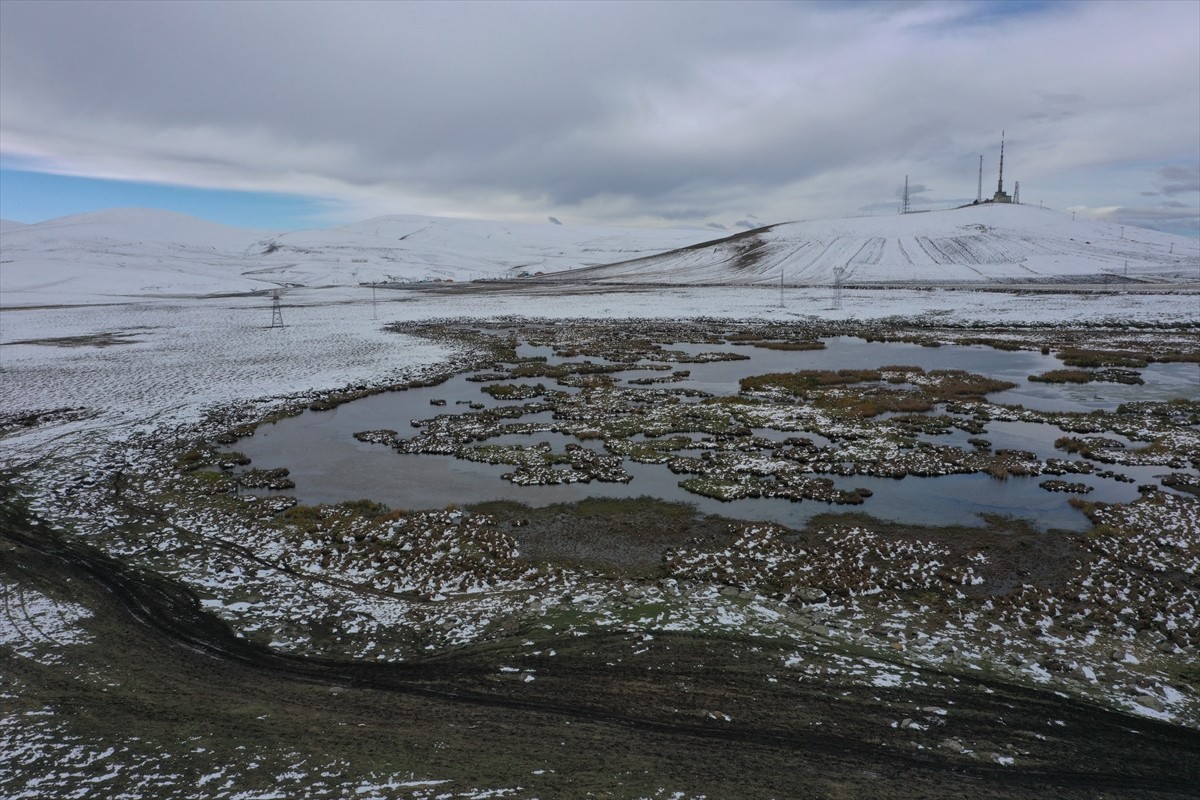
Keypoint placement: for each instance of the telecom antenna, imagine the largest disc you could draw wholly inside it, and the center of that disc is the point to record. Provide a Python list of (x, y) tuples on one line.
[(276, 310), (904, 209), (979, 189), (1000, 183)]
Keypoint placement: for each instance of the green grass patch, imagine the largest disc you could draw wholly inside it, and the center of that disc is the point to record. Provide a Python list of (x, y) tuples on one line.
[(1079, 357)]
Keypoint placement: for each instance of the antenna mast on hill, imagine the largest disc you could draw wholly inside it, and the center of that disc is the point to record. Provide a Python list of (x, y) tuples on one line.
[(276, 310), (904, 209), (1000, 183), (979, 189)]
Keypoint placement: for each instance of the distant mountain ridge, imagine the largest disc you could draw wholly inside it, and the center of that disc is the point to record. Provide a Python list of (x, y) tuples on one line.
[(140, 252)]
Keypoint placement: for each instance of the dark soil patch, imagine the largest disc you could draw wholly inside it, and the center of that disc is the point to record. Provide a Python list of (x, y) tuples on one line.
[(107, 339)]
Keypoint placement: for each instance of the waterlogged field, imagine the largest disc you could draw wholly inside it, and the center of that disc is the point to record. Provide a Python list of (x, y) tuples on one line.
[(712, 462), (640, 560), (671, 420)]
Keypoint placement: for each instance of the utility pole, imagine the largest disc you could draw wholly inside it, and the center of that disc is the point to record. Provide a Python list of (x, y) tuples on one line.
[(979, 188)]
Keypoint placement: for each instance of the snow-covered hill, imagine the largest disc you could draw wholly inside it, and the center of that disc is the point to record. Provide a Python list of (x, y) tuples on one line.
[(137, 252), (406, 248), (131, 253), (984, 243)]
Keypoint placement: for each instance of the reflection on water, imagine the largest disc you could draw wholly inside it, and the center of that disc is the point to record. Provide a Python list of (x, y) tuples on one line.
[(329, 465)]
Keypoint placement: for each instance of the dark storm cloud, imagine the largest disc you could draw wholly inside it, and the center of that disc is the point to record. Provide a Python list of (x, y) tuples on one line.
[(1180, 180)]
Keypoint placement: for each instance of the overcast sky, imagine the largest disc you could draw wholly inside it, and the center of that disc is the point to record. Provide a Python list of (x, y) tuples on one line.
[(706, 113)]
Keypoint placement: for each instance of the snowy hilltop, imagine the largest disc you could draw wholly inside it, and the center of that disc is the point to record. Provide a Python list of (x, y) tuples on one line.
[(973, 244), (137, 253)]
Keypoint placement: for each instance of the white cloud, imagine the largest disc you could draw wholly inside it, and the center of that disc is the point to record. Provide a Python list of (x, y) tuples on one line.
[(631, 113)]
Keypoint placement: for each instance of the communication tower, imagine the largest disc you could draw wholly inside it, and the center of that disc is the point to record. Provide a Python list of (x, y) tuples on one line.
[(1001, 196)]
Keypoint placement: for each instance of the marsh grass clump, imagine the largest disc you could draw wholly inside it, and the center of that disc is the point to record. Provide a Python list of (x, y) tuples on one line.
[(196, 458), (787, 345), (1079, 357), (276, 479), (308, 518), (1063, 376), (955, 384), (511, 391), (858, 393), (803, 382), (1176, 357), (210, 482), (1008, 345), (1109, 375)]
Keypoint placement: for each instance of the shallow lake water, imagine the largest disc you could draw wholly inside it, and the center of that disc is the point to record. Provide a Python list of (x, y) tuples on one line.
[(329, 465)]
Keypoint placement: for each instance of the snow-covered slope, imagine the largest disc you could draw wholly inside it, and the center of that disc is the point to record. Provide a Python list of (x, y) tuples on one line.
[(137, 252), (131, 253), (984, 243), (91, 256), (407, 248)]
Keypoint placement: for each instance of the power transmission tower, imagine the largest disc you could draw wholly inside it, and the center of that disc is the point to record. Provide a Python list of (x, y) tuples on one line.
[(1017, 192), (276, 311), (904, 209)]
